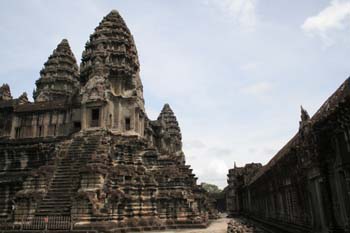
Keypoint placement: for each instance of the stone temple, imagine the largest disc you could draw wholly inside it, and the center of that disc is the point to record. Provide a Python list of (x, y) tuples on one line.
[(306, 186), (84, 154)]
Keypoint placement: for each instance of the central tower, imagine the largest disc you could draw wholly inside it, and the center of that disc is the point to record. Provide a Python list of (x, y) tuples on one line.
[(112, 93)]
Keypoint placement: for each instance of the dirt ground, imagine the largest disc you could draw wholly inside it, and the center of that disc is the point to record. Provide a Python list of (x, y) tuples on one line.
[(217, 226)]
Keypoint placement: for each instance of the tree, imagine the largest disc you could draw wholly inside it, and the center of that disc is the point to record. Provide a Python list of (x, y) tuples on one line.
[(211, 188)]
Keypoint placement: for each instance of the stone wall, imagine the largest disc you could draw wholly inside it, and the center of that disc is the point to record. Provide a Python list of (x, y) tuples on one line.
[(26, 168), (306, 186), (48, 123), (85, 155)]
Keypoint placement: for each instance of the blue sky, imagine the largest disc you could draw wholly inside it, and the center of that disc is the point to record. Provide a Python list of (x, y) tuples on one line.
[(235, 72)]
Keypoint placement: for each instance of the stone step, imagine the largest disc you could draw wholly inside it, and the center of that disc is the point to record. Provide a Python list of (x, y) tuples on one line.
[(53, 205), (55, 202), (67, 213), (58, 182), (52, 212), (64, 165), (63, 178), (66, 175), (58, 207), (45, 206), (58, 194), (71, 171), (57, 199), (66, 179), (77, 151), (61, 188), (64, 182)]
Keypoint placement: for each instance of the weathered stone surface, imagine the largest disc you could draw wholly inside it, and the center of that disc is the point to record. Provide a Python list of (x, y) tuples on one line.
[(5, 92), (238, 177), (242, 226), (59, 77), (306, 186), (171, 137), (85, 155)]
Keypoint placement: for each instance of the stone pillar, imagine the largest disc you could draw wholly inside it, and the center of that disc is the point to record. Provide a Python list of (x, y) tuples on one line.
[(15, 124), (46, 122), (347, 197), (103, 115), (137, 124), (142, 126), (84, 117), (35, 125), (133, 120), (114, 123), (119, 117)]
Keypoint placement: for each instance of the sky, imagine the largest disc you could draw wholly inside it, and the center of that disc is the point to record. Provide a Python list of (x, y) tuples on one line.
[(235, 72)]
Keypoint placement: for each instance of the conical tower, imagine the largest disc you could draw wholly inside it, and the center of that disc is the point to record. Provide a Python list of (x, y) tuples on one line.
[(172, 126), (5, 92), (111, 52), (172, 140), (112, 93), (304, 116), (59, 77)]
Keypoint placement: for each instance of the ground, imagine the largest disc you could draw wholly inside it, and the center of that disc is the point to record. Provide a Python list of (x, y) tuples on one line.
[(217, 226)]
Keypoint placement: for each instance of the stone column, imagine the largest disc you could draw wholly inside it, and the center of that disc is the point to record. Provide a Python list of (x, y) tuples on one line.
[(137, 124), (35, 125), (133, 120), (83, 117), (15, 124), (103, 115)]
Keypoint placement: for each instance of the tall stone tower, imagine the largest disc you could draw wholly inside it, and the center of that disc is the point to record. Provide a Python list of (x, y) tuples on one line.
[(112, 93), (5, 92), (172, 139), (59, 77), (92, 159)]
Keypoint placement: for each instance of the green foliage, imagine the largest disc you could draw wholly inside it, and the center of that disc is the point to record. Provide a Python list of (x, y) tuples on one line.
[(211, 188)]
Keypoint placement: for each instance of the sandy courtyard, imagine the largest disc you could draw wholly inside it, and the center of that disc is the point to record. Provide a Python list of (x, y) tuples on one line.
[(217, 226)]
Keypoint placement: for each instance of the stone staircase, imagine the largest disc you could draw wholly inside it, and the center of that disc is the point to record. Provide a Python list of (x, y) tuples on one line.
[(66, 180)]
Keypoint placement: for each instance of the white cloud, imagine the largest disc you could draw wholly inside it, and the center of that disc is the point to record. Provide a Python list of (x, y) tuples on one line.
[(260, 88), (244, 11), (251, 66), (194, 144), (336, 16)]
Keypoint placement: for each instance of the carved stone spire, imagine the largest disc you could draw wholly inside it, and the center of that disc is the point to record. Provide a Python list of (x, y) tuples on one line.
[(23, 99), (172, 126), (305, 117), (5, 92), (304, 114), (172, 142), (111, 54), (59, 77)]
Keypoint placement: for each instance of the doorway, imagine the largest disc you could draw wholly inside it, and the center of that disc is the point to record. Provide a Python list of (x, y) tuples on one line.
[(95, 117)]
